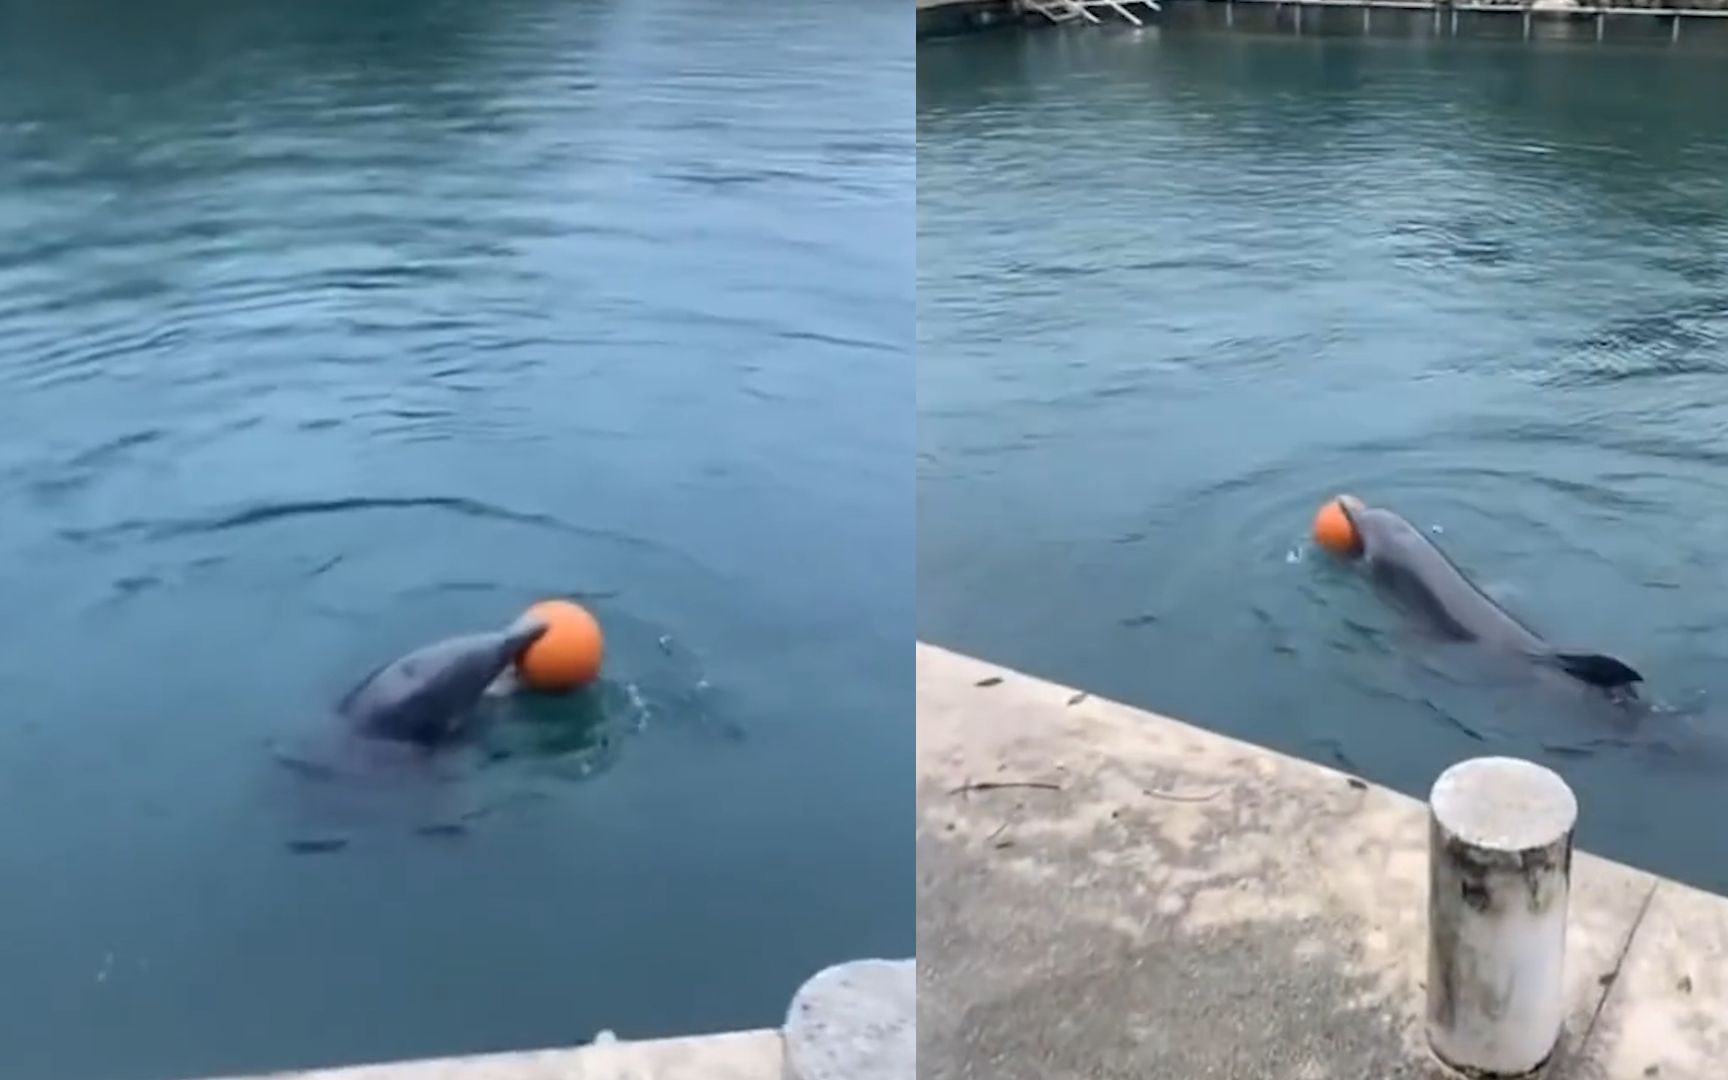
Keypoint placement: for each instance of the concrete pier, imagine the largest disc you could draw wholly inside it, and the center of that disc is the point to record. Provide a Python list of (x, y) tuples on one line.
[(1111, 894), (747, 1055)]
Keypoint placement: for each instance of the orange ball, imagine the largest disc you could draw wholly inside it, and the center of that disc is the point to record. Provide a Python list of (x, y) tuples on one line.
[(568, 654), (1333, 531)]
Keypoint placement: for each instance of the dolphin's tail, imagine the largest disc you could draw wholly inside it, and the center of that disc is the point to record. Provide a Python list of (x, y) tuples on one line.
[(1597, 669)]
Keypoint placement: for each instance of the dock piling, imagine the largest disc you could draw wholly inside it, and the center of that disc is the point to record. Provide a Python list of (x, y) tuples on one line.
[(1499, 872), (854, 1021)]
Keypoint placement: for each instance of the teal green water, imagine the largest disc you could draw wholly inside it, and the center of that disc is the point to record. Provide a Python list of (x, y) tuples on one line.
[(328, 330), (1177, 287)]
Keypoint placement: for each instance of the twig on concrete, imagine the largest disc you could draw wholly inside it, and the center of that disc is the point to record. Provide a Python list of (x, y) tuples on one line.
[(1180, 797), (996, 785)]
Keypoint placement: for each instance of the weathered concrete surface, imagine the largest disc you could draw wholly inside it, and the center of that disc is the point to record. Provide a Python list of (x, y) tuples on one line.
[(747, 1055), (854, 1021), (1668, 1013), (1175, 903)]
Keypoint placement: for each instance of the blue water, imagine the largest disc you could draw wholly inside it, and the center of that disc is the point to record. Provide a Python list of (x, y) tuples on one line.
[(1177, 287), (328, 330)]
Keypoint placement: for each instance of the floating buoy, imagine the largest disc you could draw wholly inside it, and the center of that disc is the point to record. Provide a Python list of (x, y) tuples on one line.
[(568, 654), (1333, 531)]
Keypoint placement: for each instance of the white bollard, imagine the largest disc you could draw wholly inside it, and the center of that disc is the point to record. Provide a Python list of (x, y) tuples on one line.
[(854, 1021), (1499, 878)]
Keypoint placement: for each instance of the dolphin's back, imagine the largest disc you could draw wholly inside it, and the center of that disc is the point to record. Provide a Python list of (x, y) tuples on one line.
[(1420, 577)]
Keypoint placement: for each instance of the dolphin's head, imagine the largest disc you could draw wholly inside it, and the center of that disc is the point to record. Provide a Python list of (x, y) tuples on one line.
[(478, 659), (427, 696)]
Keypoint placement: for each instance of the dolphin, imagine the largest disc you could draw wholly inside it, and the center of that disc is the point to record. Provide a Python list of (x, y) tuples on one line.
[(428, 697), (1417, 576)]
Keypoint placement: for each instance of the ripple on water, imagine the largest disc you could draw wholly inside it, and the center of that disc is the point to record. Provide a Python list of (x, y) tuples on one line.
[(266, 513), (1681, 338)]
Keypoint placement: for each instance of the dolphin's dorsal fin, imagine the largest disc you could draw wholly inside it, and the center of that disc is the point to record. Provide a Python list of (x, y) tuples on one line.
[(1597, 669)]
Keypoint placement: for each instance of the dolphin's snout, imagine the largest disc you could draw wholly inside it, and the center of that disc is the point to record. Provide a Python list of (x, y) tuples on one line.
[(1336, 530), (524, 632)]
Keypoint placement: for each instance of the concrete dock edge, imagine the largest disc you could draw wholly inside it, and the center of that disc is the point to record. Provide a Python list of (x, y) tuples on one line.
[(856, 1016), (1108, 893), (745, 1055)]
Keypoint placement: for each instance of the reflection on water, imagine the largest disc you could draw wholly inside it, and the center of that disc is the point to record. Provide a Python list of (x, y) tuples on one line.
[(330, 330), (1177, 288)]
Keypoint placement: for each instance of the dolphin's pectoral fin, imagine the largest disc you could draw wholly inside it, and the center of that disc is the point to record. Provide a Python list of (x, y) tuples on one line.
[(1597, 669), (504, 685)]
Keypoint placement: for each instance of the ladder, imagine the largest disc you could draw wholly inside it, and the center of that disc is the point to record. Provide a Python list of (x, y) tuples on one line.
[(1061, 11)]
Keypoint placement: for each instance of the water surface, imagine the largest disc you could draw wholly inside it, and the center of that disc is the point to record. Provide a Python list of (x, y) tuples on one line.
[(327, 330), (1177, 287)]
